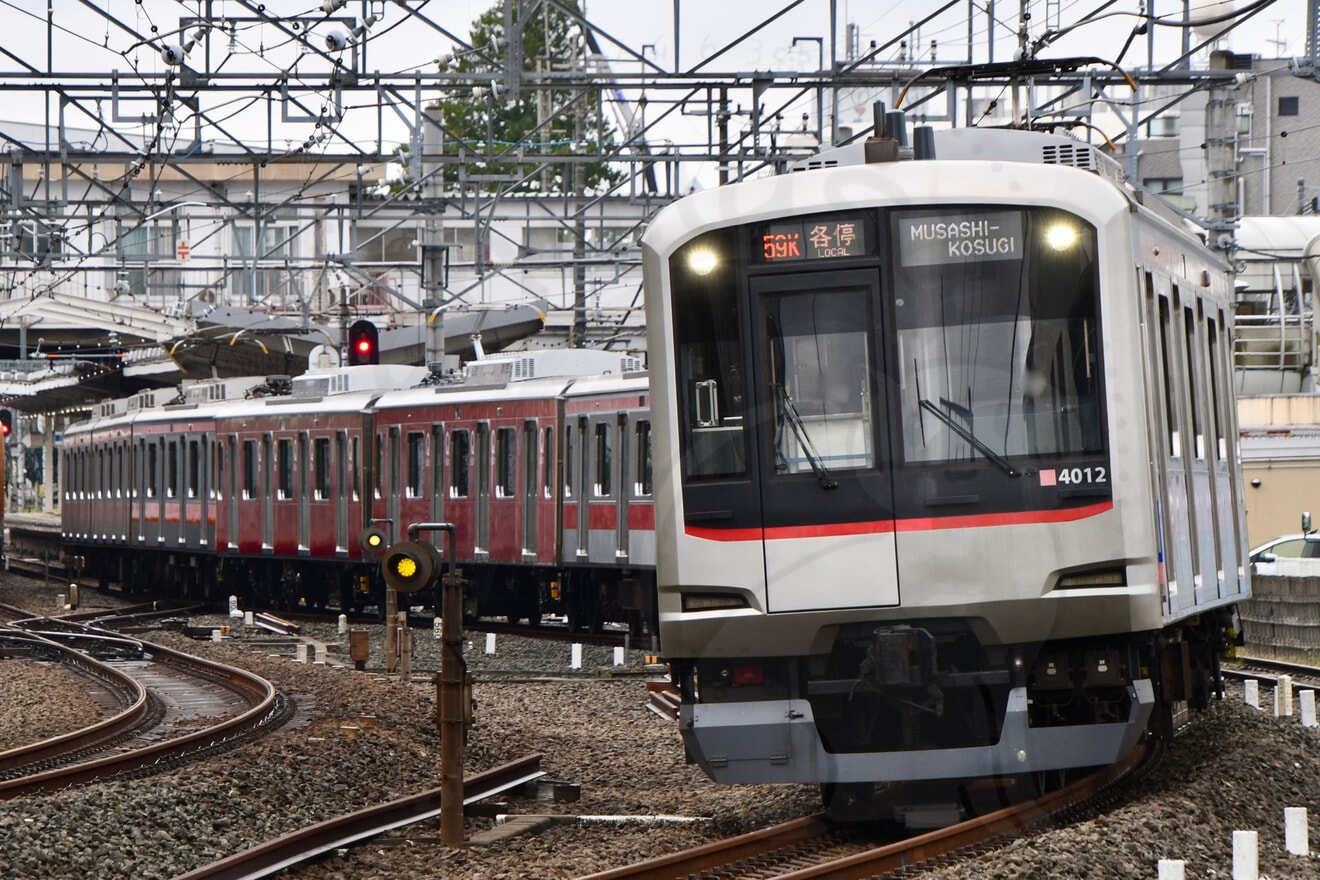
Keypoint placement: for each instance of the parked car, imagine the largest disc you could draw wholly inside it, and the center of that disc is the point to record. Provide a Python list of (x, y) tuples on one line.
[(1288, 555)]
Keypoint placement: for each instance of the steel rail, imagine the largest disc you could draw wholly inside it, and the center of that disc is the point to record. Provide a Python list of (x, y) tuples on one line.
[(260, 694), (267, 858), (720, 859), (130, 693)]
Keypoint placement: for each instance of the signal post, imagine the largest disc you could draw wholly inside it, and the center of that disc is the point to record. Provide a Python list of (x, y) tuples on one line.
[(414, 565)]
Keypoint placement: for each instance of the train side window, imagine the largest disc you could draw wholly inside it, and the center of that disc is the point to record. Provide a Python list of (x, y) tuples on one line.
[(642, 483), (460, 446), (1218, 398), (506, 454), (355, 466), (568, 461), (153, 470), (604, 485), (1195, 394), (194, 469), (249, 469), (321, 468), (1170, 383), (172, 473), (284, 468), (416, 464), (548, 463)]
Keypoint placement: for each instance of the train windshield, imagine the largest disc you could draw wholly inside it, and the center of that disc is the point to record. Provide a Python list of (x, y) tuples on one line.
[(996, 317)]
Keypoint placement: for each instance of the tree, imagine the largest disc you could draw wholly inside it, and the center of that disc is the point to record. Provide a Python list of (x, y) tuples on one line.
[(561, 121)]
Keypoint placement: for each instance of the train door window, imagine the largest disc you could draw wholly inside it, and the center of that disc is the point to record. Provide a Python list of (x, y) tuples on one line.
[(603, 487), (1195, 394), (321, 468), (998, 334), (380, 464), (483, 460), (642, 459), (302, 458), (219, 461), (1170, 383), (437, 472), (548, 463), (341, 463), (506, 455), (568, 461), (249, 469), (194, 487), (530, 487), (355, 467), (1219, 398), (284, 468), (416, 464), (709, 351), (395, 464), (460, 447), (172, 471), (153, 470)]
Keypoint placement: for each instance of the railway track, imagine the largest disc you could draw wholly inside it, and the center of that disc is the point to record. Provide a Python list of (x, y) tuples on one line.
[(162, 708), (818, 848), (306, 843)]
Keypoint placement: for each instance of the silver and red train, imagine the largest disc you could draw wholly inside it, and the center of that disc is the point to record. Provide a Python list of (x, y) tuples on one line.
[(951, 484), (262, 488)]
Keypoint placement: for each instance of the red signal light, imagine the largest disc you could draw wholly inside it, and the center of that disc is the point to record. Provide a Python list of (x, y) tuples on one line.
[(6, 422), (363, 344)]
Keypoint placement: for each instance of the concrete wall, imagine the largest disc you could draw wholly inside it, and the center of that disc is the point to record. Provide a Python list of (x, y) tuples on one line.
[(1281, 621)]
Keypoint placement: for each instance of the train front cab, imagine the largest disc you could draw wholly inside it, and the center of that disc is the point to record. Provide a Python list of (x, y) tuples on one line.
[(900, 476)]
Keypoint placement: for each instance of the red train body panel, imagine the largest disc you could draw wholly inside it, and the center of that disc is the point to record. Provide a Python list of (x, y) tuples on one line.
[(262, 489)]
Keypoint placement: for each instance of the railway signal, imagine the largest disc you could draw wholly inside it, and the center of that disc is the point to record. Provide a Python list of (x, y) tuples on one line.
[(373, 541), (363, 344), (6, 422), (410, 566)]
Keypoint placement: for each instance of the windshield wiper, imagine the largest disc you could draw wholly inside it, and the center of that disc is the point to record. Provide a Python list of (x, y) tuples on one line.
[(794, 419), (966, 434)]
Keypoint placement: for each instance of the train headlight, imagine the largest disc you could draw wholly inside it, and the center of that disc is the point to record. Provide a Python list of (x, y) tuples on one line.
[(703, 262), (1061, 236)]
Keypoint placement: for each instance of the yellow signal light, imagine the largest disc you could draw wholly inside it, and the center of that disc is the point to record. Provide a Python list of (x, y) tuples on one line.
[(410, 566)]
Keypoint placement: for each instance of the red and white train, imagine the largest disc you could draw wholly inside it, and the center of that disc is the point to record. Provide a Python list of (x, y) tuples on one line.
[(261, 488)]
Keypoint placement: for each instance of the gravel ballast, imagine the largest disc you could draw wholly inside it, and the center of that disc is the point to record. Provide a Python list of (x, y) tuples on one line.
[(1236, 770)]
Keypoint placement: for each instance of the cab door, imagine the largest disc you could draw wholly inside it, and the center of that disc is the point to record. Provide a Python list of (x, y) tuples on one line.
[(826, 492)]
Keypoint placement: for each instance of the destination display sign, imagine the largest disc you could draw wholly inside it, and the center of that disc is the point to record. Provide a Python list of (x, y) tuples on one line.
[(814, 239), (958, 237)]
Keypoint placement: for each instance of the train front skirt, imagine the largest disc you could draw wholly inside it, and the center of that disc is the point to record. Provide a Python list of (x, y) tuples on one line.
[(792, 751)]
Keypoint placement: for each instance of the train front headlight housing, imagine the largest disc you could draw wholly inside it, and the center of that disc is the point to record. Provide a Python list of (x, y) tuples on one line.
[(713, 601)]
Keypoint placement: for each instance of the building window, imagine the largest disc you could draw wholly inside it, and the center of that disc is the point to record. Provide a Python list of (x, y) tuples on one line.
[(1163, 126), (1290, 106)]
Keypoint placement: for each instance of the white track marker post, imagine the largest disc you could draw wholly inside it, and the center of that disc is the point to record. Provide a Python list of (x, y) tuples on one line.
[(1246, 855), (490, 644), (1295, 839), (576, 656), (1307, 697), (1172, 869), (300, 652), (1283, 697), (343, 624), (618, 656), (1251, 692)]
